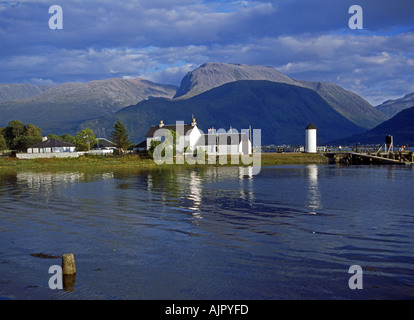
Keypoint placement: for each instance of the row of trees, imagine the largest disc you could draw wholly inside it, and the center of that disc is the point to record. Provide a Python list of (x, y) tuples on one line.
[(18, 136)]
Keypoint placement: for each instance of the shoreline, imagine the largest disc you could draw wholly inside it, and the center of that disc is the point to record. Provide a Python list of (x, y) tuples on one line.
[(137, 162)]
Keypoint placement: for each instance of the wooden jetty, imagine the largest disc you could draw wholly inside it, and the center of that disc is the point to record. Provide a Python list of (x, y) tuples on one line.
[(392, 157)]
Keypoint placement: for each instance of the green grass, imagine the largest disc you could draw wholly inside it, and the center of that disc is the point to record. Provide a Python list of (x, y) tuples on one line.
[(270, 159), (81, 162), (135, 161)]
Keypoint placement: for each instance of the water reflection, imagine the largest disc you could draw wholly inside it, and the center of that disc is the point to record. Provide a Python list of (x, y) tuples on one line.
[(246, 184), (313, 195), (45, 182), (176, 230), (69, 281), (195, 194), (191, 189)]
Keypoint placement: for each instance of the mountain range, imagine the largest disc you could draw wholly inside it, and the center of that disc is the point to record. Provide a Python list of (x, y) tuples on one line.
[(217, 94), (401, 127), (391, 107), (19, 91), (62, 108), (280, 110), (212, 75)]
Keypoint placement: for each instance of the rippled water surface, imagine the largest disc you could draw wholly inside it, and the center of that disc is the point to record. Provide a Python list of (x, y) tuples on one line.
[(291, 232)]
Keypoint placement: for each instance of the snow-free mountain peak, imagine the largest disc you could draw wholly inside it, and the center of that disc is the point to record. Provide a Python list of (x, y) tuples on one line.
[(214, 74)]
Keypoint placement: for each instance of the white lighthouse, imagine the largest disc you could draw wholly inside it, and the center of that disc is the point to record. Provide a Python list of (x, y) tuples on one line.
[(310, 138)]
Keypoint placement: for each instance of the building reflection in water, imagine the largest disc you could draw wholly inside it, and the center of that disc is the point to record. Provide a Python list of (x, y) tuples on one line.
[(246, 184), (45, 182), (313, 195), (188, 189)]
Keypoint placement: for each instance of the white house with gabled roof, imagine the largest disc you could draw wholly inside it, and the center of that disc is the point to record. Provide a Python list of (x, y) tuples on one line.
[(190, 132), (222, 143), (219, 142)]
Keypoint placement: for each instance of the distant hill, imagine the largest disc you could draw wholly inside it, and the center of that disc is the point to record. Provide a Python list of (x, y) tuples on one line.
[(392, 107), (19, 91), (401, 127), (213, 74), (280, 110), (64, 107)]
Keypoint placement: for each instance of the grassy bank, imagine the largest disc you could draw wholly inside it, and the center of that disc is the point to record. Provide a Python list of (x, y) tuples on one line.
[(127, 161), (270, 159), (75, 163)]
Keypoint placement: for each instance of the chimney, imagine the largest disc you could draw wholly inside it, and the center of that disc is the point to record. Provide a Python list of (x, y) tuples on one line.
[(161, 124), (44, 139), (194, 122)]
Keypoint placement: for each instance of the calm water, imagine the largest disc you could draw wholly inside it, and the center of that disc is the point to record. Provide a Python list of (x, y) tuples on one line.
[(291, 232)]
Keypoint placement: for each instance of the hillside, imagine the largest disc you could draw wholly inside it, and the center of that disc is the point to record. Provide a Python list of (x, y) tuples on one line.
[(280, 110), (347, 103), (212, 75), (401, 127), (392, 107), (19, 91), (65, 106)]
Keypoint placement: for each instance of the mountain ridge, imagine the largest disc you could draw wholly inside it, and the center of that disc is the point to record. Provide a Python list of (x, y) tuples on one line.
[(63, 108), (66, 105), (214, 74), (20, 91), (401, 127), (394, 106), (280, 110)]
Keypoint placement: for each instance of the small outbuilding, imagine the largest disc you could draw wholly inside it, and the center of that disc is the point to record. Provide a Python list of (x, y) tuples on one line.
[(102, 143)]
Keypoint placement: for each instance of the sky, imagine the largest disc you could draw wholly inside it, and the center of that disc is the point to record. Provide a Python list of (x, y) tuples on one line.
[(162, 40)]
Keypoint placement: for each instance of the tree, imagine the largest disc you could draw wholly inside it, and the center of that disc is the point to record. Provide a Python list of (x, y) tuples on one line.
[(31, 130), (85, 139), (20, 137), (169, 141), (53, 136), (68, 138), (120, 136), (64, 137), (24, 142), (3, 145), (13, 131), (154, 144)]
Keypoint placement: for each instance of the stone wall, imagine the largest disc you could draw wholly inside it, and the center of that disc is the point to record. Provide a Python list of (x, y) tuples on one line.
[(47, 155)]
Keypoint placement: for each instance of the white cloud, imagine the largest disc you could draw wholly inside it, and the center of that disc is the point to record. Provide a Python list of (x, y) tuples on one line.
[(164, 39), (170, 75)]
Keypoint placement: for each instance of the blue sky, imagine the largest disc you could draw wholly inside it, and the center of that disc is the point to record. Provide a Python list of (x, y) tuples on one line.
[(161, 40)]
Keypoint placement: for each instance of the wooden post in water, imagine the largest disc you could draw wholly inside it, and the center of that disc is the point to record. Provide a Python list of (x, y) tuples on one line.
[(68, 264)]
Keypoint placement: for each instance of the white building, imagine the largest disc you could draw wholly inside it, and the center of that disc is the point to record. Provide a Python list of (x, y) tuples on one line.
[(190, 132), (310, 139), (103, 147), (51, 146), (229, 143), (213, 143)]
